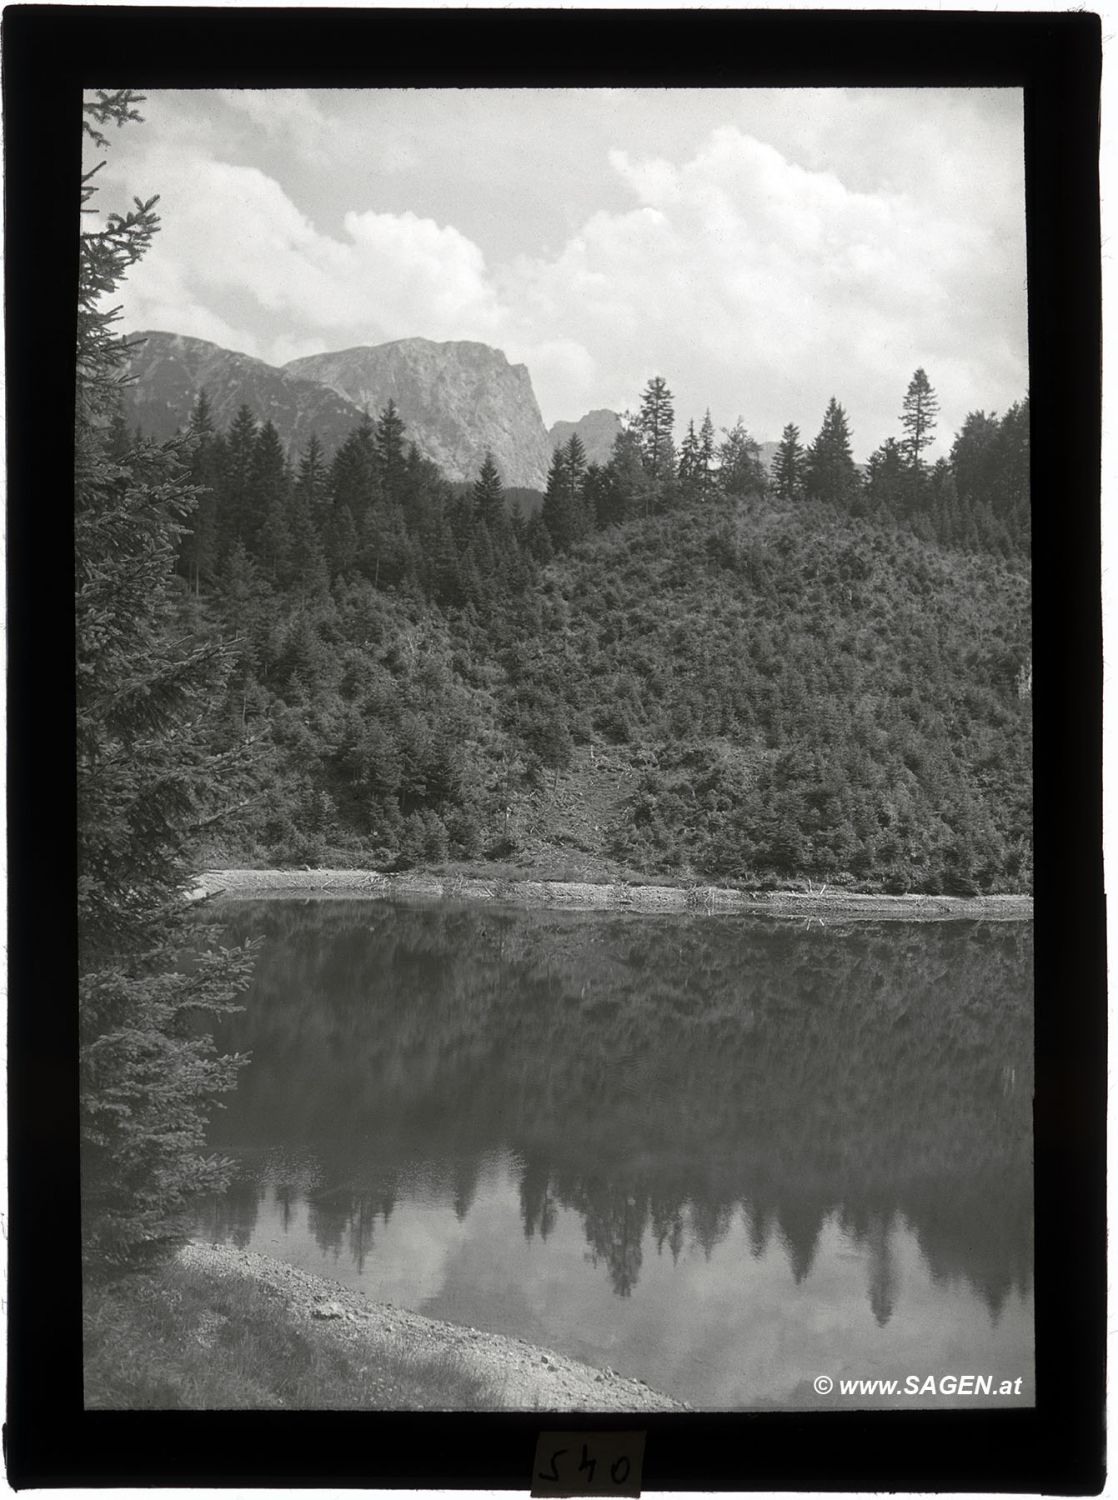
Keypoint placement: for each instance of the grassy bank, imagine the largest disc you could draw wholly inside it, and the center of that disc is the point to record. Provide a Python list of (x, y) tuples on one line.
[(182, 1338)]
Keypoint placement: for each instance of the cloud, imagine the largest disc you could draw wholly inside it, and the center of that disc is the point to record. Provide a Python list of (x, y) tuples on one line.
[(232, 235), (757, 285), (761, 287)]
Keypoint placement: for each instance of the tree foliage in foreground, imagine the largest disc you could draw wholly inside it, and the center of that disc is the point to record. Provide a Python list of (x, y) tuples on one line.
[(146, 761)]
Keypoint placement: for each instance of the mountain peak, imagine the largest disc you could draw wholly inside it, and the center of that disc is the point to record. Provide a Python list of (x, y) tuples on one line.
[(457, 400), (464, 397)]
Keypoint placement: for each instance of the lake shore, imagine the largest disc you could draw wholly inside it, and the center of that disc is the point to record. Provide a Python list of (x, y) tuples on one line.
[(513, 889), (522, 1376)]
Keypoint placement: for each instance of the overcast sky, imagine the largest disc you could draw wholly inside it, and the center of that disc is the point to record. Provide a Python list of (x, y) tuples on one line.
[(761, 249)]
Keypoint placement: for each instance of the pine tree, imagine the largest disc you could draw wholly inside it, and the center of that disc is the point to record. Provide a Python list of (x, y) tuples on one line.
[(595, 489), (354, 471), (146, 770), (489, 495), (555, 511), (562, 511), (235, 509), (574, 459), (269, 488), (990, 462), (390, 457), (829, 469), (312, 480), (654, 423), (788, 465), (921, 407), (974, 456), (627, 489), (887, 480)]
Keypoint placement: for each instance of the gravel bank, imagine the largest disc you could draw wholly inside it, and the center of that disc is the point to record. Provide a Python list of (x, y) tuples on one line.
[(585, 896), (529, 1378)]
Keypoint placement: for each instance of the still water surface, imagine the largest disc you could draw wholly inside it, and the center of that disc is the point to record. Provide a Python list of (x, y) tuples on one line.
[(721, 1154)]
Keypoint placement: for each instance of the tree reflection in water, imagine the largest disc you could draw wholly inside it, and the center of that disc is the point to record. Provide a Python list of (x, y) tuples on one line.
[(662, 1078)]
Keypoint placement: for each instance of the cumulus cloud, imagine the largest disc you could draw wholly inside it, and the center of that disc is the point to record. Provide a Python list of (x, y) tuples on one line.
[(757, 285), (230, 232), (761, 287)]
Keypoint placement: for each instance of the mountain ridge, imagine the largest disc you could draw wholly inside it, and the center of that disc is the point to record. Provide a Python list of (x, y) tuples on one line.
[(168, 370), (457, 400)]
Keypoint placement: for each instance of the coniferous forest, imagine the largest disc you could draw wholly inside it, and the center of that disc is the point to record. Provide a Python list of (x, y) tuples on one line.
[(681, 661)]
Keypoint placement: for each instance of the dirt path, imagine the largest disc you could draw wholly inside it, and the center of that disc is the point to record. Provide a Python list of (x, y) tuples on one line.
[(844, 905), (527, 1377)]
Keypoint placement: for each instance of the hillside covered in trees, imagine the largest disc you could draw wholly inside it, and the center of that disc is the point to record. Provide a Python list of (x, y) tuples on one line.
[(682, 664)]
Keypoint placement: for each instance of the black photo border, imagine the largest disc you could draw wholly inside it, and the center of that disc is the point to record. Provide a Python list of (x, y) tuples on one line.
[(50, 52)]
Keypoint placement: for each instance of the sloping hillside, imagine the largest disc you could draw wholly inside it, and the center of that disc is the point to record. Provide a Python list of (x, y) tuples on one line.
[(733, 691), (793, 695)]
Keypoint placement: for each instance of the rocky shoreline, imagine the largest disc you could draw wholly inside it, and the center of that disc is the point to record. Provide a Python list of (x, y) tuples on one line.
[(528, 1377), (588, 896)]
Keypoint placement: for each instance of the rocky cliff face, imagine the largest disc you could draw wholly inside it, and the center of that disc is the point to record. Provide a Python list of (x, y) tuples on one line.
[(457, 400), (170, 369), (597, 429)]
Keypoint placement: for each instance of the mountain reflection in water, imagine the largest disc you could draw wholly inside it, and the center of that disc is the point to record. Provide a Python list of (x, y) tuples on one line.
[(721, 1154)]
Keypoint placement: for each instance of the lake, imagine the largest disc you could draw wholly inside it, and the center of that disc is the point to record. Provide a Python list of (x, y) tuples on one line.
[(726, 1155)]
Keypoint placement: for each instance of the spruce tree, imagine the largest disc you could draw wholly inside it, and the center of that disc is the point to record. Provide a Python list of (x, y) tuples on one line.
[(269, 488), (595, 489), (390, 458), (148, 763), (555, 511), (829, 469), (354, 471), (489, 495), (574, 458), (887, 480), (921, 407), (788, 465), (235, 512), (628, 488), (562, 511), (312, 479), (654, 423)]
